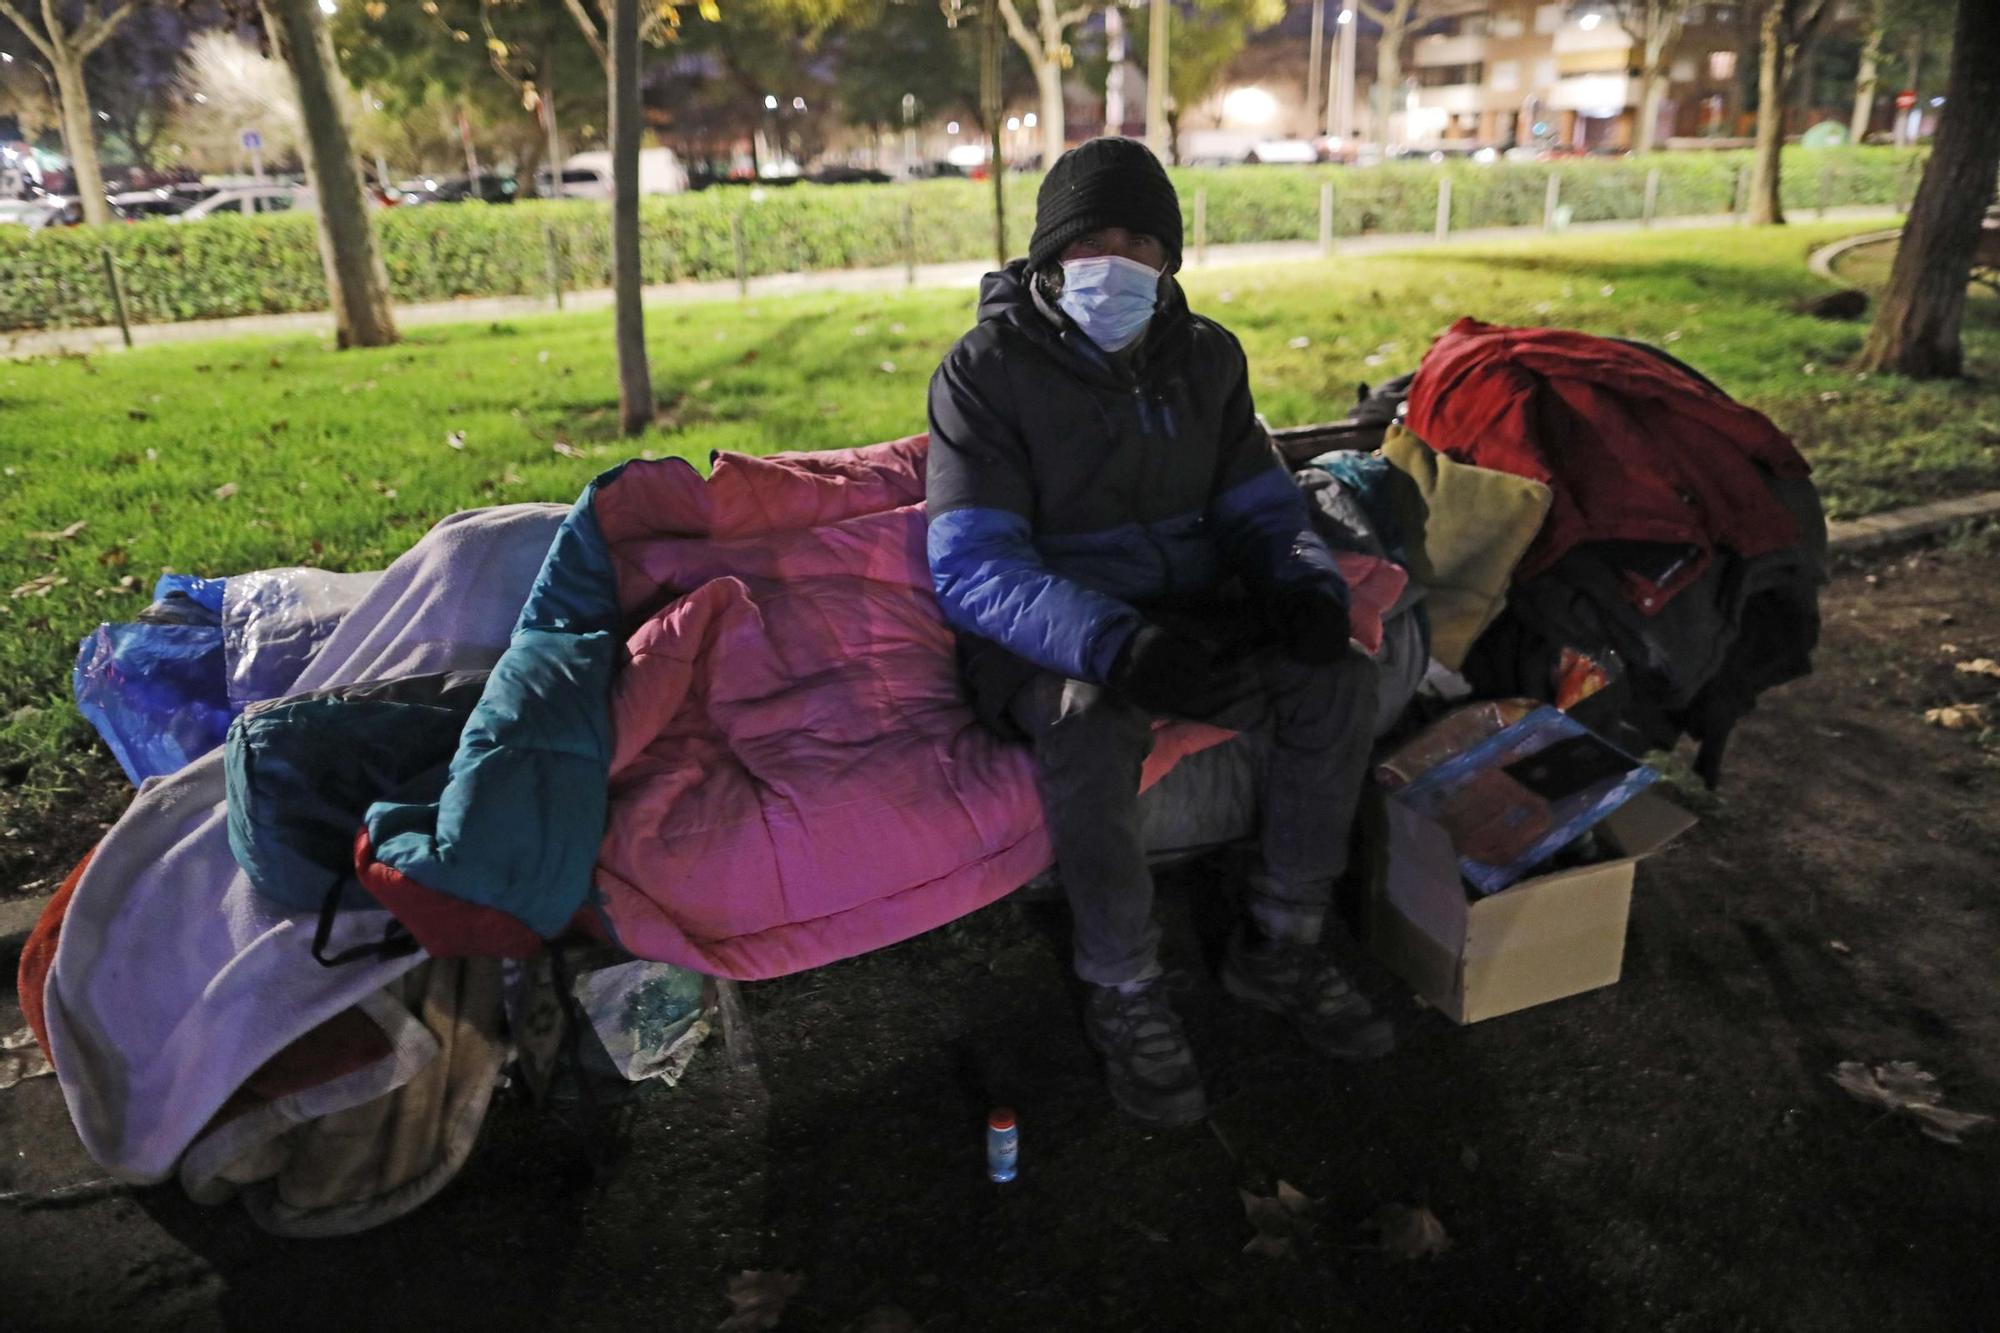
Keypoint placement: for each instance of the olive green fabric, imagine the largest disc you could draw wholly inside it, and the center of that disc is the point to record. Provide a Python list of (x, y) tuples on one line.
[(1464, 530)]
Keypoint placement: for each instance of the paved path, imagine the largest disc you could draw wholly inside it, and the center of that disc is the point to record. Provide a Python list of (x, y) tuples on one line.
[(956, 275)]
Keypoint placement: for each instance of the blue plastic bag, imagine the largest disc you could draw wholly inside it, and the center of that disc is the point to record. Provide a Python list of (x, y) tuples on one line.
[(157, 691)]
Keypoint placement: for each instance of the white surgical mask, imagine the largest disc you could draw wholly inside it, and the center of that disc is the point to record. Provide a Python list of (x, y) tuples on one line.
[(1111, 298)]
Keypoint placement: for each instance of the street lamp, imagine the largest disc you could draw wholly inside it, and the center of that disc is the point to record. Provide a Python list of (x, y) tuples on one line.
[(1028, 120), (770, 101)]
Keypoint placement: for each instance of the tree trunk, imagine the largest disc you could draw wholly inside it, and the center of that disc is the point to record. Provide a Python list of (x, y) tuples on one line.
[(1765, 206), (80, 137), (1917, 324), (1114, 77), (357, 287), (1866, 80), (1048, 82), (1388, 80), (1649, 109), (635, 377)]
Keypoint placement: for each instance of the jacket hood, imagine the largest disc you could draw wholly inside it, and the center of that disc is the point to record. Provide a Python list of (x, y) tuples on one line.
[(1008, 296)]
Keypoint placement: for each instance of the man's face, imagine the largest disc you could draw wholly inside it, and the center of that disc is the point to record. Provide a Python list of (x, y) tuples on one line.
[(1137, 246)]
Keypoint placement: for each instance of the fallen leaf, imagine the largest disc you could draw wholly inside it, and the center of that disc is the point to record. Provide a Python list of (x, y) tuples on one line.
[(759, 1300), (1903, 1088), (1948, 648), (455, 440), (112, 557), (225, 490), (1410, 1233), (566, 449), (1957, 717), (61, 536), (1279, 1221), (1299, 344), (888, 367), (1839, 946), (1606, 289), (40, 586), (21, 1058), (1979, 666)]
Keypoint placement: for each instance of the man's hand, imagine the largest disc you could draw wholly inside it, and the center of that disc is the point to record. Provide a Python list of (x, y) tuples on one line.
[(1172, 674), (1310, 622)]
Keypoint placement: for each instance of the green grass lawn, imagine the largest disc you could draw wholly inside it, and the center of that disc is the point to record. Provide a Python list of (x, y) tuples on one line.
[(227, 456)]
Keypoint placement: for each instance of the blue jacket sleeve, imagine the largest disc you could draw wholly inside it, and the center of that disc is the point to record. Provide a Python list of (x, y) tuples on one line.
[(1259, 513), (989, 576)]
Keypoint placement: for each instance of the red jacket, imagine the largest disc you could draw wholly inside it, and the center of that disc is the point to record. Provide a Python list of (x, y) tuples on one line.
[(1635, 448)]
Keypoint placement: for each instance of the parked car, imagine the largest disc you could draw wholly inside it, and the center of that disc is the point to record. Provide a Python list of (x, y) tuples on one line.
[(577, 183), (138, 205), (660, 172), (840, 174), (34, 214), (268, 199)]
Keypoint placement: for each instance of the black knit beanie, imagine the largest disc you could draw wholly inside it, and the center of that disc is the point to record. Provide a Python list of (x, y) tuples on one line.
[(1104, 183)]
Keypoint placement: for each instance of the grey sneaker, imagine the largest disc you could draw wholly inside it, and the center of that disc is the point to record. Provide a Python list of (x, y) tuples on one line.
[(1147, 1060), (1298, 982)]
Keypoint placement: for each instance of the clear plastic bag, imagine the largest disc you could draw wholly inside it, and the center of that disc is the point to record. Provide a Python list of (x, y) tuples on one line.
[(274, 621)]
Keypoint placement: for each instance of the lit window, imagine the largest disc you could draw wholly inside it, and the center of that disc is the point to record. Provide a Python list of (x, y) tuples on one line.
[(1682, 72), (1721, 66), (1545, 72), (1506, 75), (1548, 18)]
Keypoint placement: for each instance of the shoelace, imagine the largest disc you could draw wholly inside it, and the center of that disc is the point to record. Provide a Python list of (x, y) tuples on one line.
[(1326, 983), (1151, 1029)]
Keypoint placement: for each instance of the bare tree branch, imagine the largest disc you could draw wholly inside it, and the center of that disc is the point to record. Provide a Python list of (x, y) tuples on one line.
[(14, 16), (1018, 31), (89, 40), (590, 32), (1070, 18)]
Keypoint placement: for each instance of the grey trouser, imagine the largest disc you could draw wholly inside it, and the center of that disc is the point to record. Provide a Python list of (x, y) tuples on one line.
[(1089, 749)]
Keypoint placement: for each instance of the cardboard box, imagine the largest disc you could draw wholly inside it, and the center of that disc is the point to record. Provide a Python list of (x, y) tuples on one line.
[(1541, 939)]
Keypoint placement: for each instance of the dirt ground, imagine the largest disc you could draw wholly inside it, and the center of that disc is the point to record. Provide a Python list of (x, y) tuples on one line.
[(1669, 1153)]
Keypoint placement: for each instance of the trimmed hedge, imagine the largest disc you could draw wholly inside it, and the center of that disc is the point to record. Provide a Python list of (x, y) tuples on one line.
[(227, 266)]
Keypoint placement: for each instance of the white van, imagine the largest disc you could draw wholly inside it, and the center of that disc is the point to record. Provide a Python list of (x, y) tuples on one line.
[(588, 175)]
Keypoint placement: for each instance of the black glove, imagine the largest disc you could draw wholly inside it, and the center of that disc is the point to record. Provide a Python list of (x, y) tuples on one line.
[(1309, 621), (1169, 673)]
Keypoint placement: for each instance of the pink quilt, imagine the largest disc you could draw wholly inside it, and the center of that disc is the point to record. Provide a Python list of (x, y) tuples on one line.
[(796, 777)]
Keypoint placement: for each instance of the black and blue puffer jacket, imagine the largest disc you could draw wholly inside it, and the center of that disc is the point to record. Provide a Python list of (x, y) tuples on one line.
[(1070, 492)]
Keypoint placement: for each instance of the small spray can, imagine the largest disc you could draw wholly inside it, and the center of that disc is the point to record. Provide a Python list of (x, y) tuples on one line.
[(1003, 1145)]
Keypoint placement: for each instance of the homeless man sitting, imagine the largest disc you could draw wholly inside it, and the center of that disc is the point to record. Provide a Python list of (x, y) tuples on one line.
[(1116, 541)]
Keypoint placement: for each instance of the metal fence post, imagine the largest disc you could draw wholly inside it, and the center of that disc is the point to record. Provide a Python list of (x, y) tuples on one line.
[(117, 287), (1326, 218), (1740, 204), (1550, 198), (1444, 207), (742, 254), (1652, 195), (555, 264), (909, 245), (1201, 227)]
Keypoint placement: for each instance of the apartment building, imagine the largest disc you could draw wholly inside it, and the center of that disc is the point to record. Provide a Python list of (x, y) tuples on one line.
[(1563, 75)]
